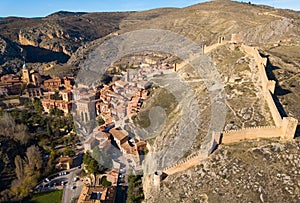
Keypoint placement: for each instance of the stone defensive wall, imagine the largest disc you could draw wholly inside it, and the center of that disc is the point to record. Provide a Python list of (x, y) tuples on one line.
[(284, 127), (207, 148), (183, 165), (268, 86), (250, 133), (207, 49)]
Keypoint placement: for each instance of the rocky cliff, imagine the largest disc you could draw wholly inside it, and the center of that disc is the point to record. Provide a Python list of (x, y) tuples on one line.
[(62, 31), (10, 56), (206, 22), (74, 34)]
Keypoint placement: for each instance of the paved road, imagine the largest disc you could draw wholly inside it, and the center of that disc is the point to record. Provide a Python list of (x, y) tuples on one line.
[(54, 183), (70, 194)]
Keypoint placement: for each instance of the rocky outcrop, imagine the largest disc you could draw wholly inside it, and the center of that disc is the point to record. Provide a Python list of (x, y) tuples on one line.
[(61, 32), (272, 32), (8, 49), (10, 56), (50, 36)]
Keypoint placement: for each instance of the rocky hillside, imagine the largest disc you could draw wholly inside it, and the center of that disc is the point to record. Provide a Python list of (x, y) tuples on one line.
[(206, 22), (65, 32), (55, 37), (229, 175), (62, 31), (73, 34), (10, 55)]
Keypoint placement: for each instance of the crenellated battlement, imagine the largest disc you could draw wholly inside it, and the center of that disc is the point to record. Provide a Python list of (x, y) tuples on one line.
[(284, 128), (251, 128)]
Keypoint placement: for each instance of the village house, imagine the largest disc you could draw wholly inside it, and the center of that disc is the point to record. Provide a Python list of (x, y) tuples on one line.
[(10, 85), (69, 82), (144, 84), (64, 163), (52, 84), (130, 150), (97, 194), (56, 84), (119, 136), (98, 138), (112, 176), (66, 95), (121, 84), (49, 104), (33, 92)]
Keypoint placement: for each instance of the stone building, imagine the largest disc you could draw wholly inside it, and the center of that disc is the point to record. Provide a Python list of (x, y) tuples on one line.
[(69, 82), (25, 74), (66, 95), (130, 150), (31, 76), (97, 194), (119, 136), (49, 104), (33, 91), (10, 84), (64, 163), (52, 84), (85, 109)]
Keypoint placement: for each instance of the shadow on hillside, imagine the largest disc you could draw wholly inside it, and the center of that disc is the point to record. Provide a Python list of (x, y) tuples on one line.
[(279, 106), (36, 54), (278, 90), (297, 134)]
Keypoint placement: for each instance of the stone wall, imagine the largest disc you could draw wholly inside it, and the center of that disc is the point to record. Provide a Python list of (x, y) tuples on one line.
[(268, 86), (284, 127), (207, 49), (212, 141), (183, 165), (250, 133)]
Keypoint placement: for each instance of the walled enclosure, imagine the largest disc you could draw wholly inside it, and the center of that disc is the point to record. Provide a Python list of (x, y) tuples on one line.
[(284, 128)]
